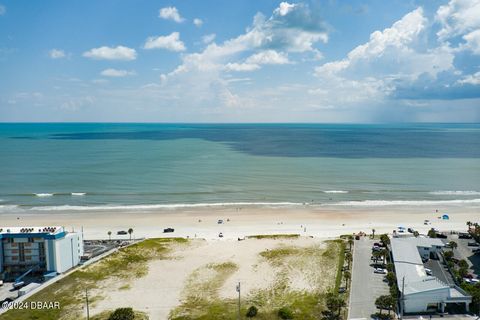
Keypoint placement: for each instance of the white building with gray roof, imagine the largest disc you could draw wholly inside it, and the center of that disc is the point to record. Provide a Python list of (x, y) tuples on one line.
[(421, 292)]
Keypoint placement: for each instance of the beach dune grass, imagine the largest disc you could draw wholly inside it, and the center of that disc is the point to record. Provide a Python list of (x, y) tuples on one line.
[(274, 236), (318, 263), (127, 263)]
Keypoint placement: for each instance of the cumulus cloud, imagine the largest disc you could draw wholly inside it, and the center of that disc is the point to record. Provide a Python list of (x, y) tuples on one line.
[(170, 13), (292, 28), (390, 64), (268, 57), (198, 22), (57, 54), (116, 73), (111, 53), (241, 66), (171, 42), (208, 38), (458, 17), (473, 79)]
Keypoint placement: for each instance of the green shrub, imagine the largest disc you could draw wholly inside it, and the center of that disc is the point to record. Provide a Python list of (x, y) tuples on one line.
[(252, 312), (285, 313), (122, 314)]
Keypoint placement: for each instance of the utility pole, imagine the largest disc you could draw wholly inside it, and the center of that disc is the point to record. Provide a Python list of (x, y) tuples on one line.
[(238, 290), (402, 299), (88, 309)]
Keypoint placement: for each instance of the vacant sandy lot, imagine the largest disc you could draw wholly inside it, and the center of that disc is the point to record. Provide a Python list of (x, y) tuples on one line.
[(191, 271)]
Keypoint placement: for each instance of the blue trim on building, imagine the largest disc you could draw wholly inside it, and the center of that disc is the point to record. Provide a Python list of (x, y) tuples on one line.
[(33, 235)]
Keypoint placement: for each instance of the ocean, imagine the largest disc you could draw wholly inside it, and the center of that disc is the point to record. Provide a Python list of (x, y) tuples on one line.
[(95, 166)]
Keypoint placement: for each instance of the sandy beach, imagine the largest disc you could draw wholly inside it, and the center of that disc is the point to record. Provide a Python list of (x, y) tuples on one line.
[(202, 222)]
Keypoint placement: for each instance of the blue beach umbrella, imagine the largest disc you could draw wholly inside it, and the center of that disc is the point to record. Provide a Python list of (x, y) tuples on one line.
[(445, 217)]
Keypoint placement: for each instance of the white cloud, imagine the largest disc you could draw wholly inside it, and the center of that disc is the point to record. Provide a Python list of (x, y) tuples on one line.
[(111, 53), (473, 79), (472, 41), (3, 10), (290, 28), (241, 67), (57, 54), (116, 73), (208, 38), (198, 22), (458, 17), (284, 8), (268, 57), (170, 13), (171, 42)]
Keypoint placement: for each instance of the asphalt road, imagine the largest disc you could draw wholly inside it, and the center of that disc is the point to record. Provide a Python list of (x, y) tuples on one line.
[(366, 285)]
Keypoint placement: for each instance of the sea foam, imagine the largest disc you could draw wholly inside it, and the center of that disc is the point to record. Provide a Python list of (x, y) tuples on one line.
[(335, 191), (78, 193), (165, 206), (43, 194), (382, 203), (455, 193)]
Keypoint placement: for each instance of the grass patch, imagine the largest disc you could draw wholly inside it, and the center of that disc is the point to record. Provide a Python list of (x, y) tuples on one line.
[(106, 314), (125, 287), (126, 264), (274, 236), (200, 297), (341, 261)]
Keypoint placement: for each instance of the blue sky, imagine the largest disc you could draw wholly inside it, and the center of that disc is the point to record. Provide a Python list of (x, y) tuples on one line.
[(240, 61)]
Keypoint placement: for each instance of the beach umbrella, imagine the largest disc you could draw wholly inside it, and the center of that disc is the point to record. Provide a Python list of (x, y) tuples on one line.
[(445, 217)]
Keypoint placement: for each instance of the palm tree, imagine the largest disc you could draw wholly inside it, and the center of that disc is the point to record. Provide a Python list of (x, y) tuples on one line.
[(453, 245), (348, 257), (109, 235), (350, 242), (130, 231), (416, 234), (347, 277), (384, 253), (373, 233), (469, 224), (377, 255)]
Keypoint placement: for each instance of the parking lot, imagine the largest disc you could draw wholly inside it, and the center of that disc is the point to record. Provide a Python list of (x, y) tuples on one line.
[(463, 251), (366, 286)]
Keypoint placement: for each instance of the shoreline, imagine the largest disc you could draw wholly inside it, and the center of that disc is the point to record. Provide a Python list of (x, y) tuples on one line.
[(201, 221)]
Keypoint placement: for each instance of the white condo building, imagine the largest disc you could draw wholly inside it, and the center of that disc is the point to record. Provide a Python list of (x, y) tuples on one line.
[(42, 249)]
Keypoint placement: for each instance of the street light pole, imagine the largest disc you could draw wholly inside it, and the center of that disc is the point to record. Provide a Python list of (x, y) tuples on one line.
[(88, 309), (238, 290)]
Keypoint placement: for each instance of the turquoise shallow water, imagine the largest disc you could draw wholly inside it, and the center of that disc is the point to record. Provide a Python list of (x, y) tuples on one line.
[(141, 165)]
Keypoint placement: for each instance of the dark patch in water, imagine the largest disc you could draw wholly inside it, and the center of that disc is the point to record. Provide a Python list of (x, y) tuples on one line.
[(342, 141)]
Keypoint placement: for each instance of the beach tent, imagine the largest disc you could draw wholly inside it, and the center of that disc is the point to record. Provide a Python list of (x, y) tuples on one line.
[(445, 217)]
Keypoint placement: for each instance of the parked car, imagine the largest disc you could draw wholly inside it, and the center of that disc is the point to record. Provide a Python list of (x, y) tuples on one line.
[(342, 290), (376, 248), (220, 235), (122, 232), (220, 221), (410, 230), (476, 250), (464, 236), (473, 244), (441, 236), (378, 244), (167, 230), (380, 271), (428, 272)]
